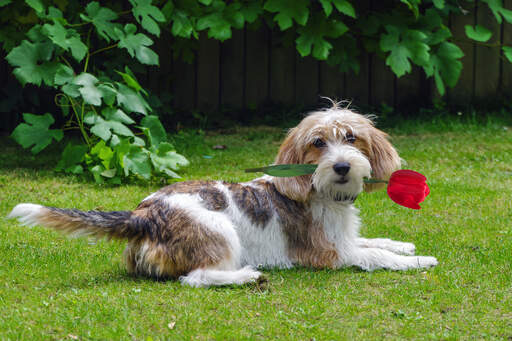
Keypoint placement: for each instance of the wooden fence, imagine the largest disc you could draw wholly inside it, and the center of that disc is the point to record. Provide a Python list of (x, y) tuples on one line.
[(255, 67)]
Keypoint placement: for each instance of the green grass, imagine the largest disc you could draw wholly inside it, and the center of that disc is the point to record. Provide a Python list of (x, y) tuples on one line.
[(53, 287)]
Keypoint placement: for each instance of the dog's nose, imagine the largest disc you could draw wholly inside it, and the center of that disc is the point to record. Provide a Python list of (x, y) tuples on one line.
[(341, 168)]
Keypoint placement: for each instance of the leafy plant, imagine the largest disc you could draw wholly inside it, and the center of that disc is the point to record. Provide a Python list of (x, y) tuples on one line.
[(121, 136)]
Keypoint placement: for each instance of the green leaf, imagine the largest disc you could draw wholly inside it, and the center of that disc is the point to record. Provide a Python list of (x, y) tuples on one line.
[(507, 51), (131, 81), (345, 7), (398, 60), (36, 132), (165, 159), (439, 3), (131, 100), (90, 93), (37, 5), (327, 7), (220, 20), (101, 18), (71, 158), (251, 11), (137, 45), (115, 114), (154, 130), (478, 33), (64, 75), (108, 92), (312, 37), (96, 173), (285, 170), (206, 2), (287, 11), (31, 62), (104, 153), (147, 15), (5, 2), (445, 66), (137, 161), (181, 24), (104, 128), (68, 39)]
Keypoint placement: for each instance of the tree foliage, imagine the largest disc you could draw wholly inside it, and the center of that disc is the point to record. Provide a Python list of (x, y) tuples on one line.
[(59, 44)]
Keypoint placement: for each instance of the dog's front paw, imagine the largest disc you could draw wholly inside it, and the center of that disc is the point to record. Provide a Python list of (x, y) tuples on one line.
[(426, 262), (407, 249)]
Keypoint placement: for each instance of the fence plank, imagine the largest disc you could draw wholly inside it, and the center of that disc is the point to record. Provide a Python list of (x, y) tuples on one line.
[(257, 61), (331, 82), (208, 81), (408, 94), (232, 71), (356, 85), (487, 58), (183, 84), (507, 65), (282, 71), (382, 82), (463, 92), (306, 84)]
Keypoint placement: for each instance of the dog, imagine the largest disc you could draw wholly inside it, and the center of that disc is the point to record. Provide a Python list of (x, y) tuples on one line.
[(211, 233)]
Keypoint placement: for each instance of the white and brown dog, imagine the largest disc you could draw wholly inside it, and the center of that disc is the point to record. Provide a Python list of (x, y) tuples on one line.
[(215, 233)]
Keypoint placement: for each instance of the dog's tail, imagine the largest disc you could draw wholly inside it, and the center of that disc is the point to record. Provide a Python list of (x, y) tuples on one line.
[(117, 224)]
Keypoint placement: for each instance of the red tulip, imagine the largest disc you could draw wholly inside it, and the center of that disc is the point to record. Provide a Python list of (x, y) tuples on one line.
[(408, 188)]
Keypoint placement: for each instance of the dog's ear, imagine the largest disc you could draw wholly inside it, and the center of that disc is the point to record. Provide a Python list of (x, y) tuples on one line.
[(296, 188), (383, 158)]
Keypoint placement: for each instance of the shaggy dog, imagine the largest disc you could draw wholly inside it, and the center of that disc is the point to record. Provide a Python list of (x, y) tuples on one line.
[(216, 233)]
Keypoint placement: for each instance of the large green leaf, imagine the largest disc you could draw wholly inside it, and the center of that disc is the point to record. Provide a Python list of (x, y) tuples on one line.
[(137, 161), (147, 15), (37, 5), (445, 65), (36, 132), (166, 160), (478, 33), (137, 45), (220, 20), (101, 18), (131, 100), (313, 36), (154, 130), (32, 63), (287, 11), (507, 51), (71, 158), (66, 38), (104, 128), (88, 89), (181, 24)]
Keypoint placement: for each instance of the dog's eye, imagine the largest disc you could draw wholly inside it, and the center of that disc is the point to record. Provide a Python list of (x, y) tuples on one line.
[(350, 138), (319, 143)]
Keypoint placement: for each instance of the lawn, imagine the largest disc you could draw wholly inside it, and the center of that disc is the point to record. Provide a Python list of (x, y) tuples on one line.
[(53, 287)]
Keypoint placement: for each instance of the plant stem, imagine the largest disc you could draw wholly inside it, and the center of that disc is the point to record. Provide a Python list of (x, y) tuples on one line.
[(103, 49)]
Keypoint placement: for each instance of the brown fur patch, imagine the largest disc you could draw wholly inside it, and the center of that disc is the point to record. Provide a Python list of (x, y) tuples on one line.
[(307, 243), (213, 198), (254, 202), (179, 245)]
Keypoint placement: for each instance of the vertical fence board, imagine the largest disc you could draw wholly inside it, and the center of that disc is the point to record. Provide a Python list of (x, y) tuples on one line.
[(183, 84), (382, 82), (487, 58), (257, 61), (282, 71), (408, 87), (232, 71), (507, 65), (356, 87), (331, 82), (463, 92), (306, 85), (208, 81)]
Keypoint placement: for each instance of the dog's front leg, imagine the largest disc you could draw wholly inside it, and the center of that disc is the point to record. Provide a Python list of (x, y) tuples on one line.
[(387, 244), (373, 258)]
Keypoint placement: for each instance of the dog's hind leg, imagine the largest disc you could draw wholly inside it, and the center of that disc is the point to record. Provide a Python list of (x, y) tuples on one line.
[(402, 248)]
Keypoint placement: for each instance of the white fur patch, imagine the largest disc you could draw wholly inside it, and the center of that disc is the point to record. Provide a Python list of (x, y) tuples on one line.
[(201, 278), (27, 214)]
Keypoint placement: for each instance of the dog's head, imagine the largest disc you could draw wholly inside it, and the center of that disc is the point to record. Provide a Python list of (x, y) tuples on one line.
[(347, 148)]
